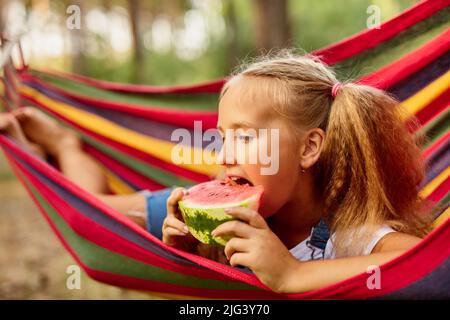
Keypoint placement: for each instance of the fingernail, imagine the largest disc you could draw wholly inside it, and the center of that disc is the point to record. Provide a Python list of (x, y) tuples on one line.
[(213, 233), (185, 229), (228, 209)]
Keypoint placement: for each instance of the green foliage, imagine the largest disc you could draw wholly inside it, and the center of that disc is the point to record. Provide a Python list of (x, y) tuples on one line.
[(314, 24)]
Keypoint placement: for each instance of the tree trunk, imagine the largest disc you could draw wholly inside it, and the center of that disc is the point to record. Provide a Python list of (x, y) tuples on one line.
[(272, 24), (138, 53), (2, 22), (232, 35), (77, 41)]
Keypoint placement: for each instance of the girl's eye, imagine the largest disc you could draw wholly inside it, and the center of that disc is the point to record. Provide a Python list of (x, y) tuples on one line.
[(245, 139)]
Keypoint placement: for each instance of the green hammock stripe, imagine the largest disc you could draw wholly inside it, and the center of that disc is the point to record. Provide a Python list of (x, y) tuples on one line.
[(101, 259), (445, 200), (436, 128), (393, 49), (203, 101), (151, 172)]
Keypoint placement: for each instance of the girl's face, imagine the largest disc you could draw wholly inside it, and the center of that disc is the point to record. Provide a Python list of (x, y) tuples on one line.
[(270, 159)]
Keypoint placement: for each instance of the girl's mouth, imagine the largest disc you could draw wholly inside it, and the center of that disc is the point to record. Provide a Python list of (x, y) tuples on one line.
[(239, 180)]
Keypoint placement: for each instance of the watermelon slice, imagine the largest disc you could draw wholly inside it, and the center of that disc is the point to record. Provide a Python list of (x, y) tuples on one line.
[(203, 207)]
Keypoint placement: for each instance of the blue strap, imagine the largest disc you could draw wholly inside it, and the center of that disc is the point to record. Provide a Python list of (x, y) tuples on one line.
[(320, 235)]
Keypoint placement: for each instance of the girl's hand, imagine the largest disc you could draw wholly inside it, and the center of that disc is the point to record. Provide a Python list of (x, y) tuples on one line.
[(174, 230), (255, 246)]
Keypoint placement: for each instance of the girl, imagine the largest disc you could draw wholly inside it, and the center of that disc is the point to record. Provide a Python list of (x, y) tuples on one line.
[(346, 163)]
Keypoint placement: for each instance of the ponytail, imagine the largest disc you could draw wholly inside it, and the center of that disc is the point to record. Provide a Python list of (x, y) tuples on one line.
[(370, 169)]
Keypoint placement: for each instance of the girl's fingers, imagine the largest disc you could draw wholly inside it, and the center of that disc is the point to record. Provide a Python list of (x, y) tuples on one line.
[(169, 231), (175, 196), (172, 222), (172, 202), (240, 259), (234, 228), (236, 245), (250, 216)]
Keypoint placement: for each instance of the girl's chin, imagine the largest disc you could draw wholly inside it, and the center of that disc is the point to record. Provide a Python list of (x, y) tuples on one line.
[(266, 212)]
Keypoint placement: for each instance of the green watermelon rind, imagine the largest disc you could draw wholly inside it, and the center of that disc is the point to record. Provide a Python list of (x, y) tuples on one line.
[(201, 221)]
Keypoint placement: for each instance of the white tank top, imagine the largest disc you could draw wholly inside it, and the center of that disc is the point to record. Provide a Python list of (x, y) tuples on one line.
[(304, 251)]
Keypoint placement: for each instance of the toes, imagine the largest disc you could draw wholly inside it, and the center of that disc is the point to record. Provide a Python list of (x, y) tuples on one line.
[(10, 125), (15, 130), (24, 113)]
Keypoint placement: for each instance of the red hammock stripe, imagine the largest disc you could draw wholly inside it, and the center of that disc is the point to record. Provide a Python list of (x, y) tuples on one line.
[(440, 191), (134, 178), (409, 64), (434, 108), (154, 286), (434, 117), (147, 285), (206, 87), (436, 145), (371, 37), (178, 117)]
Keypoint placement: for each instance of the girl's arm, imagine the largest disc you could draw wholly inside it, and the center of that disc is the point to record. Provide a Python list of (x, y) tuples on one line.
[(255, 246), (311, 275)]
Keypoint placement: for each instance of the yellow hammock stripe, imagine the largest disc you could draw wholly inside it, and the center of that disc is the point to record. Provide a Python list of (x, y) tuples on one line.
[(117, 185), (442, 218), (432, 185), (422, 98), (155, 147)]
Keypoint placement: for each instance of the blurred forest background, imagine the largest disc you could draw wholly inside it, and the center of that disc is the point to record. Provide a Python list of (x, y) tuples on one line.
[(159, 42)]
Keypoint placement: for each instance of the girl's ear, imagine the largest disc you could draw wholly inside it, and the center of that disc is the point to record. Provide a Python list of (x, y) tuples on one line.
[(311, 148)]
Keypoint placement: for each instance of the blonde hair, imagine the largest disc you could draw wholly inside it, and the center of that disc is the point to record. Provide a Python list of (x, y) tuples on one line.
[(370, 169)]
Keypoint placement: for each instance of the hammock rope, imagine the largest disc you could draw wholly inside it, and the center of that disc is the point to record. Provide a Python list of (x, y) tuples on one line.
[(127, 129)]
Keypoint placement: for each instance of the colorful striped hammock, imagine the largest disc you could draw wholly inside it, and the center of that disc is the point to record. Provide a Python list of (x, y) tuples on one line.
[(127, 128)]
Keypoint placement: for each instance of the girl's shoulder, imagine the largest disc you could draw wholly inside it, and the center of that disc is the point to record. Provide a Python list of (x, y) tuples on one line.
[(373, 242), (395, 241)]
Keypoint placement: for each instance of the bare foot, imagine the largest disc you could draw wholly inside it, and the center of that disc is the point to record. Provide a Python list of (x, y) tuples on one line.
[(46, 132), (10, 126)]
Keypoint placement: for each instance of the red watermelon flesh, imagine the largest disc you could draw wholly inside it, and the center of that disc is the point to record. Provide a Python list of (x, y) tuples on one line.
[(203, 207)]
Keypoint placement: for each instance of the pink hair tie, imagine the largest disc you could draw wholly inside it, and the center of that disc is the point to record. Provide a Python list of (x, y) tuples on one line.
[(336, 87)]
